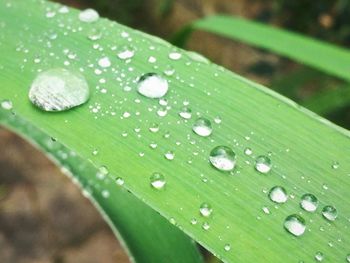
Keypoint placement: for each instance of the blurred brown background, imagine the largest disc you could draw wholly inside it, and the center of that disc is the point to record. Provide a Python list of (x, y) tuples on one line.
[(43, 216)]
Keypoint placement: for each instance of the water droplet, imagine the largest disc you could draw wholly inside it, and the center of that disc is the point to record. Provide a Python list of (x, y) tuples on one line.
[(194, 221), (104, 62), (158, 180), (309, 202), (217, 120), (105, 193), (151, 85), (278, 194), (202, 127), (205, 209), (319, 256), (169, 155), (227, 247), (175, 55), (263, 164), (89, 15), (295, 225), (126, 53), (119, 181), (335, 165), (58, 90), (6, 104), (154, 127), (206, 226), (223, 158), (248, 151), (348, 258), (329, 212), (102, 172), (186, 113)]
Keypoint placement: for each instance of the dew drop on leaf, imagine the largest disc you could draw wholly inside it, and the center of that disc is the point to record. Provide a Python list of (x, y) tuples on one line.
[(309, 202), (157, 180), (348, 258), (151, 85), (89, 15), (126, 53), (278, 194), (185, 113), (263, 164), (119, 181), (206, 226), (227, 247), (169, 155), (319, 256), (58, 90), (295, 225), (223, 158), (6, 104), (329, 212), (202, 127), (104, 62), (102, 172), (205, 209), (175, 55)]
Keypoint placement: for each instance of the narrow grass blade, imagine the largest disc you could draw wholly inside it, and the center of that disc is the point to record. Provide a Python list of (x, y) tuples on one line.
[(308, 153), (323, 56)]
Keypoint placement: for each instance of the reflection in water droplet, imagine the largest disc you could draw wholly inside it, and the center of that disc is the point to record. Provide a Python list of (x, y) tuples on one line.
[(263, 164), (157, 180), (186, 113), (205, 209), (202, 127), (295, 225), (278, 194), (329, 212), (319, 256), (223, 158), (309, 202), (58, 90), (6, 104), (151, 85), (88, 15)]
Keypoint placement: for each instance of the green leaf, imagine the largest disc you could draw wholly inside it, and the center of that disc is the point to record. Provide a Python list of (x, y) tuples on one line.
[(326, 57), (302, 146)]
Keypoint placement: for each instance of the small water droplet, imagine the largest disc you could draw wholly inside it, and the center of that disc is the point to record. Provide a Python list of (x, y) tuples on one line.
[(278, 194), (202, 127), (175, 55), (194, 221), (102, 172), (329, 212), (223, 158), (185, 113), (154, 127), (217, 120), (89, 15), (58, 90), (205, 209), (263, 164), (319, 256), (335, 165), (151, 85), (348, 258), (169, 155), (157, 180), (104, 62), (126, 53), (248, 151), (295, 225), (119, 181), (206, 226), (227, 247), (6, 104), (309, 202), (105, 193)]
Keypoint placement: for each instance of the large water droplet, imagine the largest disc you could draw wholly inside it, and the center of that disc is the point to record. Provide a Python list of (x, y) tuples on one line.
[(58, 90), (202, 127), (157, 180), (126, 53), (309, 202), (329, 212), (152, 85), (319, 256), (295, 225), (6, 104), (88, 15), (205, 210), (263, 164), (223, 158), (278, 194)]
